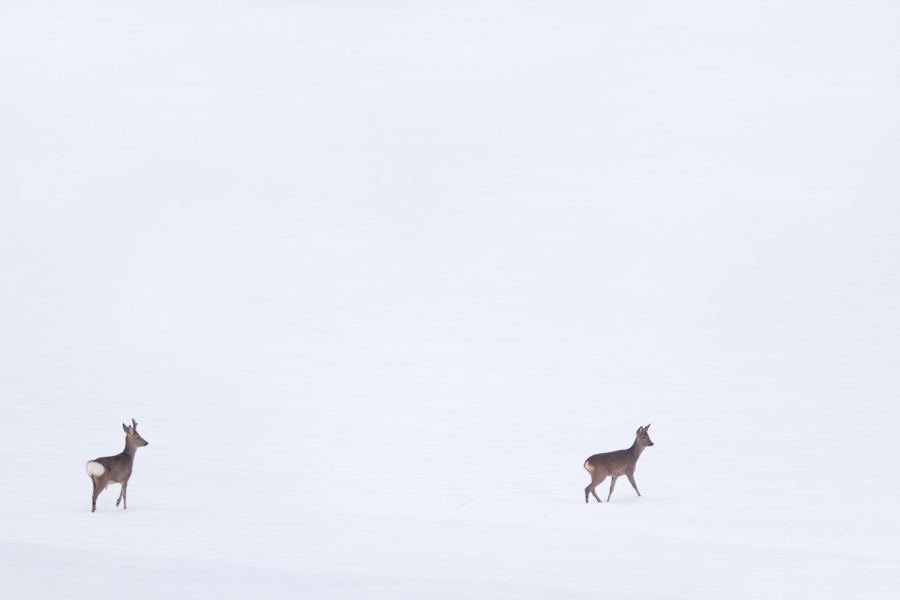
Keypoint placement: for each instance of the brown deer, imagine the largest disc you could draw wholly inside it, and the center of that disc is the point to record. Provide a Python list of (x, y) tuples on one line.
[(615, 464), (115, 469)]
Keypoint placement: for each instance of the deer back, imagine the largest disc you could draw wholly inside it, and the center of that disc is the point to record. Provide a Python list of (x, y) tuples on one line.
[(617, 462)]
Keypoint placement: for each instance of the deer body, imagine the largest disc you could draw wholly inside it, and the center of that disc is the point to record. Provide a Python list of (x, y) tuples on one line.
[(615, 464), (115, 469)]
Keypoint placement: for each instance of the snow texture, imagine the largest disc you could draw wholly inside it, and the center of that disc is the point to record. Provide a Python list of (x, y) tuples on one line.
[(375, 278)]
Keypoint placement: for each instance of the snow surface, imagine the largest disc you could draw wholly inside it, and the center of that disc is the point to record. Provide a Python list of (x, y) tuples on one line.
[(375, 278)]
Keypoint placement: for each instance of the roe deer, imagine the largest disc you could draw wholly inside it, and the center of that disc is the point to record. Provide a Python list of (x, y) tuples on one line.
[(115, 469), (616, 464)]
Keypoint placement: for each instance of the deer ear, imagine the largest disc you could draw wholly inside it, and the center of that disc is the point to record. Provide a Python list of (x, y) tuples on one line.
[(125, 427), (640, 430), (647, 427)]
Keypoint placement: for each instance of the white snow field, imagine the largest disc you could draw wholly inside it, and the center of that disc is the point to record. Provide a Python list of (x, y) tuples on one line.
[(375, 278)]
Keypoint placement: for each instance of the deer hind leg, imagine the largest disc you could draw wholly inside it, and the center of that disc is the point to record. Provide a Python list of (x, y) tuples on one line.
[(591, 489), (97, 489), (631, 479), (97, 473), (612, 486)]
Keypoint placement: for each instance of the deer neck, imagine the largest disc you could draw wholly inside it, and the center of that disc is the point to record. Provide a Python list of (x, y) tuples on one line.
[(130, 448), (636, 449)]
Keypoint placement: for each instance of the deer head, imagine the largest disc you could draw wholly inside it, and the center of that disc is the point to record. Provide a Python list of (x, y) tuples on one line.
[(643, 437), (132, 434)]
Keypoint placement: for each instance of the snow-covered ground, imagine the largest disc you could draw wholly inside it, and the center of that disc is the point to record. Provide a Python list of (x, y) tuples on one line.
[(375, 278)]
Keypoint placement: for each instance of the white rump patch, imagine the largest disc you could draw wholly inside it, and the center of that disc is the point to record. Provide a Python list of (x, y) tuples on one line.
[(587, 466), (94, 469)]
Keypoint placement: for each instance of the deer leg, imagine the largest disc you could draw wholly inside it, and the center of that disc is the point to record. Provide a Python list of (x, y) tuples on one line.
[(125, 494), (121, 494), (612, 486), (633, 484), (591, 489), (97, 490)]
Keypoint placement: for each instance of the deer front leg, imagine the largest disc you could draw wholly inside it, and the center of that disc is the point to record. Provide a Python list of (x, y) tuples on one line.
[(631, 479), (122, 494), (612, 486)]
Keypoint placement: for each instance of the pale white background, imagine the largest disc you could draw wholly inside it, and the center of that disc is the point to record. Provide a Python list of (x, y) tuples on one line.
[(375, 278)]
